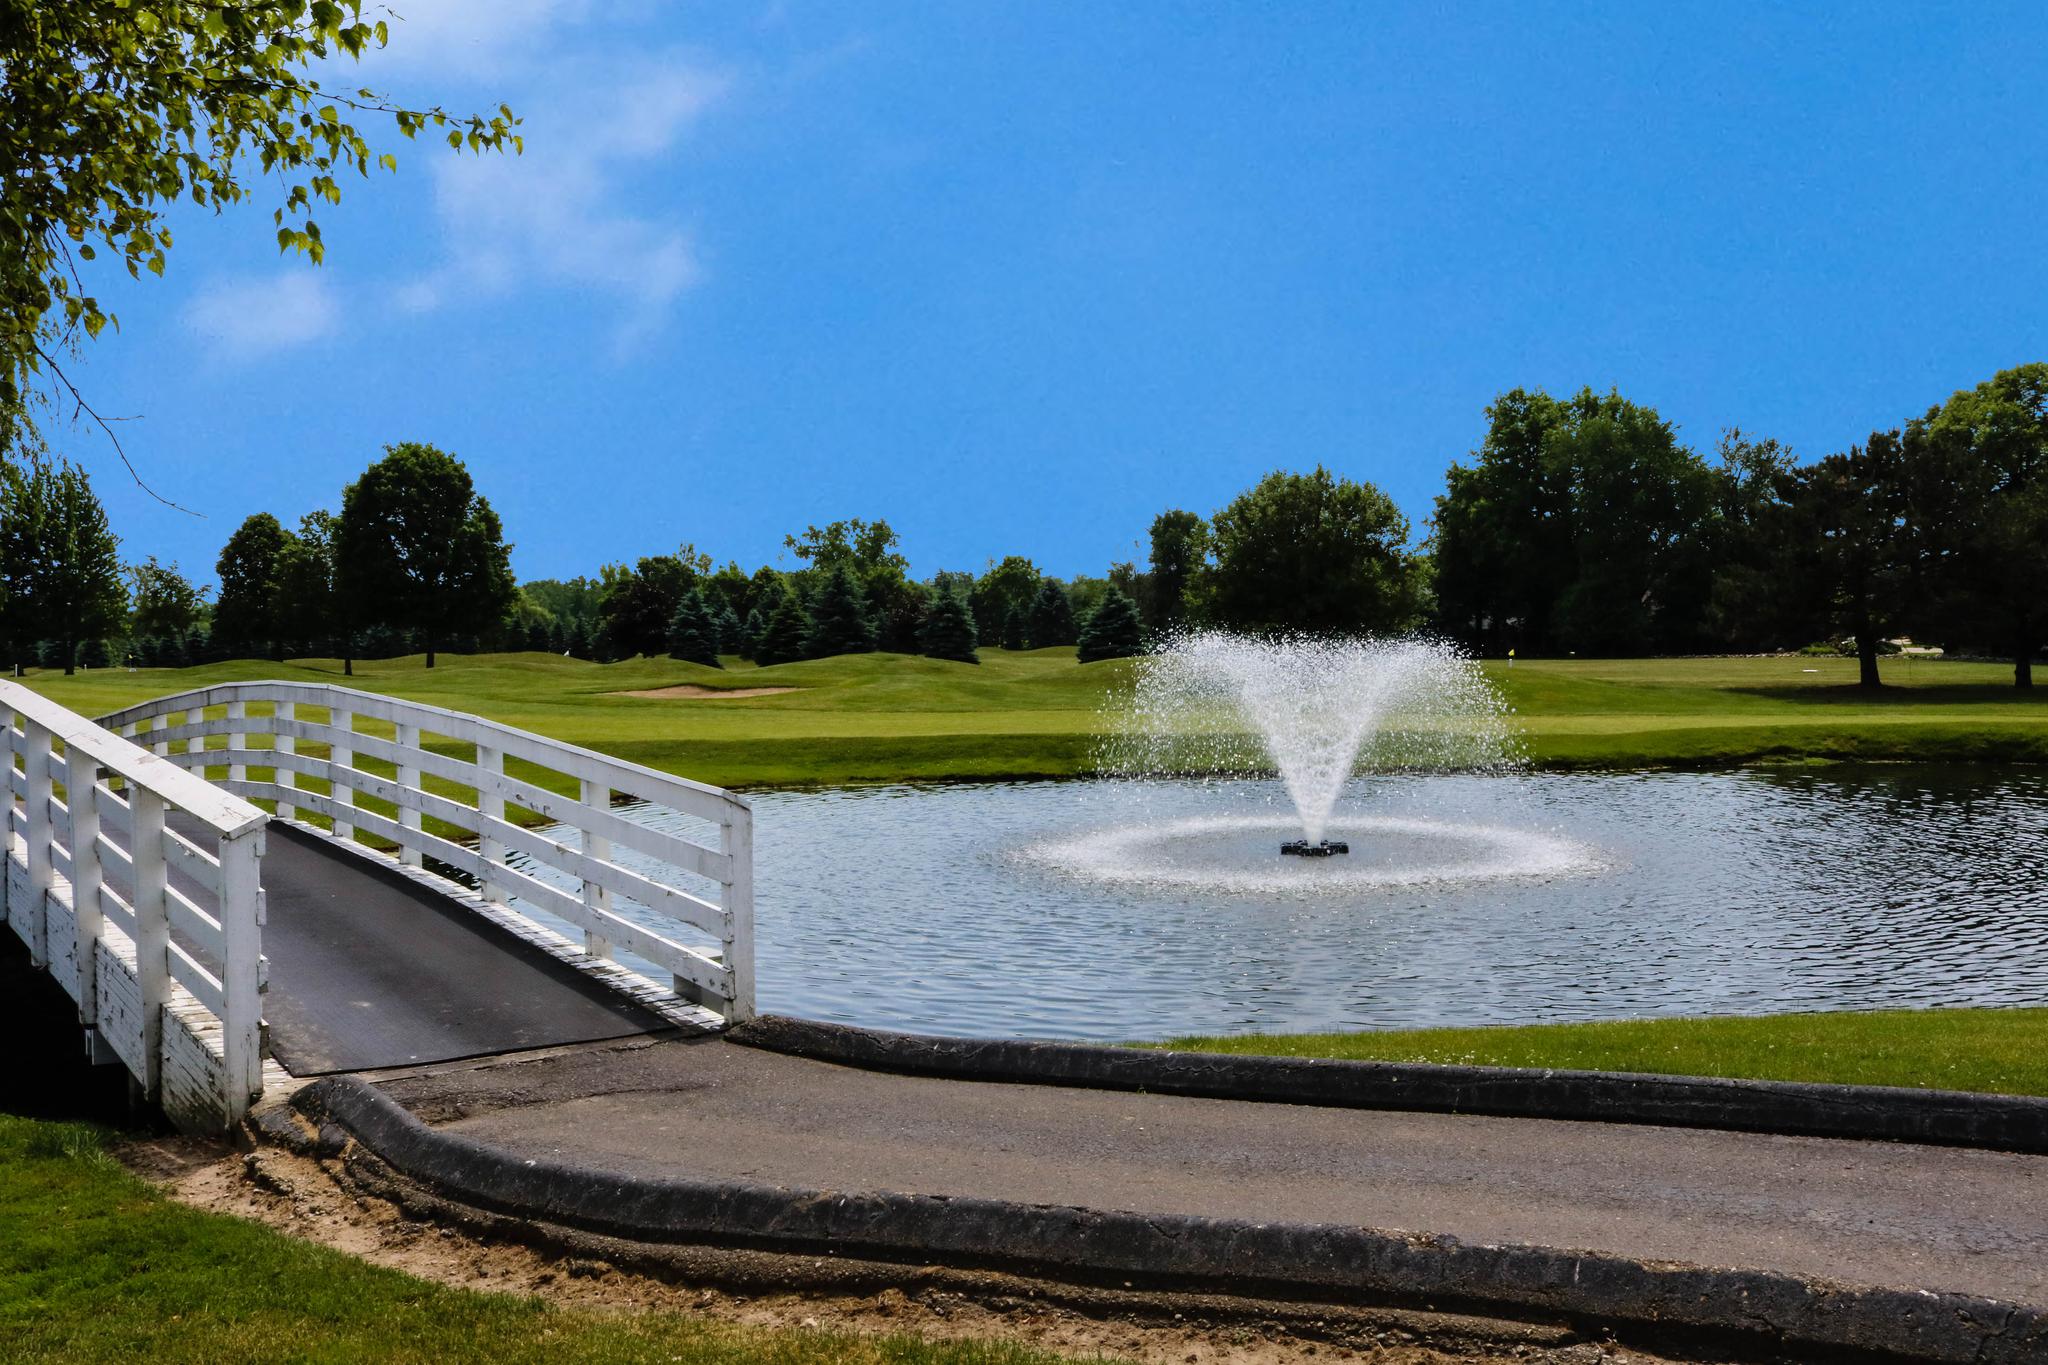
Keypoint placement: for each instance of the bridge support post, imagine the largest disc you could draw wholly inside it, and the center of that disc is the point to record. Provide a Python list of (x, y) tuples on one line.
[(36, 834), (81, 786), (595, 895), (340, 756), (490, 805), (241, 981), (237, 770), (737, 837), (287, 778), (152, 929), (6, 810), (408, 778)]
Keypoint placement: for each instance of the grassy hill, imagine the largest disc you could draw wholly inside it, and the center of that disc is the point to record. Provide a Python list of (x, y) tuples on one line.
[(887, 717)]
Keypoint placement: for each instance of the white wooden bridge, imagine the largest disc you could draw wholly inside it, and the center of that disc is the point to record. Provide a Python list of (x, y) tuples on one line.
[(438, 886)]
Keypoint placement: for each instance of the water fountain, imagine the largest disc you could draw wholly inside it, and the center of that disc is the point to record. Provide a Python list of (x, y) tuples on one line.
[(1270, 735), (1317, 710)]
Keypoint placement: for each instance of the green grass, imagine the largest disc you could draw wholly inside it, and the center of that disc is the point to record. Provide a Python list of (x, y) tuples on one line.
[(97, 1266), (891, 718), (1995, 1050)]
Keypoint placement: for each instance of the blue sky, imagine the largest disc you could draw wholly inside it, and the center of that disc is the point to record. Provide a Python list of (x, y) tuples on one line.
[(1018, 277)]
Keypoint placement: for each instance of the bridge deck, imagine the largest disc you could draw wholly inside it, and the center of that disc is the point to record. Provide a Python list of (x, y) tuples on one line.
[(369, 970)]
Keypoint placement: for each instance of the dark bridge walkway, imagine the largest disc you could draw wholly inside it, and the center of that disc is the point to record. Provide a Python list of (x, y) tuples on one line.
[(369, 970)]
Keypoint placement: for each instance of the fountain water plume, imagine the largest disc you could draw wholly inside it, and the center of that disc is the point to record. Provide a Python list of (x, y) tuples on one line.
[(1312, 710)]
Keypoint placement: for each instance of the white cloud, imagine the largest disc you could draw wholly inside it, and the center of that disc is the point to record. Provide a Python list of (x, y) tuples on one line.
[(467, 38), (574, 211), (249, 316)]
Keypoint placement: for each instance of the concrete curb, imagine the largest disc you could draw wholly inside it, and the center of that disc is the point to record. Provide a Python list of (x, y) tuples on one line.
[(1949, 1118), (1441, 1271)]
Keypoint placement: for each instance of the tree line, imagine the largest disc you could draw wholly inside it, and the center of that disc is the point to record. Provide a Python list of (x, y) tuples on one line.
[(1579, 525)]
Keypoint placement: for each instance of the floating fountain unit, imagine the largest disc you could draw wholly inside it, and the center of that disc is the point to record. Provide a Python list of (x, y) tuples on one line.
[(1321, 848)]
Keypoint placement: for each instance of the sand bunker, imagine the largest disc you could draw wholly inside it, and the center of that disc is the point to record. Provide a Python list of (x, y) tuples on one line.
[(682, 690)]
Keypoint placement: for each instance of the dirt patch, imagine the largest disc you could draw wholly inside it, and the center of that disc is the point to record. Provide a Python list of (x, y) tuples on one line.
[(690, 691), (320, 1202)]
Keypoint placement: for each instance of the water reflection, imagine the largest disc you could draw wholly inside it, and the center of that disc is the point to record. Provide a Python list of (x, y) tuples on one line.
[(925, 909)]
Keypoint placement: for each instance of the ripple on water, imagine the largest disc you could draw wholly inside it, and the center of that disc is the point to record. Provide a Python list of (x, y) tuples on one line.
[(1051, 909), (1235, 854)]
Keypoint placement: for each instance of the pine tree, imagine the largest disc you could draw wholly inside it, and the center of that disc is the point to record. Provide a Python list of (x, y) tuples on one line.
[(1052, 617), (839, 619), (730, 638), (948, 631), (577, 645), (783, 634), (750, 632), (1013, 630), (1113, 630), (691, 636)]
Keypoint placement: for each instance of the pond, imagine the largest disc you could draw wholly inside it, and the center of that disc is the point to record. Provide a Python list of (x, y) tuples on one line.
[(1132, 910)]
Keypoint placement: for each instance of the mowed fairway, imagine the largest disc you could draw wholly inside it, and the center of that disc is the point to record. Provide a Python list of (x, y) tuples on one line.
[(892, 718)]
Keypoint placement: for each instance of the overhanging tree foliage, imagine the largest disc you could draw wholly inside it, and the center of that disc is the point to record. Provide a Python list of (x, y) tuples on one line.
[(116, 109), (419, 548)]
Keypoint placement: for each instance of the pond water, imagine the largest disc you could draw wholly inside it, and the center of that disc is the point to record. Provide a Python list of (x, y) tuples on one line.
[(1118, 910)]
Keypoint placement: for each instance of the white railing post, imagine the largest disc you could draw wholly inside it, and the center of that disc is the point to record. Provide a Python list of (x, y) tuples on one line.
[(196, 744), (282, 743), (738, 841), (238, 771), (161, 747), (152, 926), (341, 755), (36, 834), (6, 806), (241, 979), (596, 846), (409, 778), (490, 805), (81, 787)]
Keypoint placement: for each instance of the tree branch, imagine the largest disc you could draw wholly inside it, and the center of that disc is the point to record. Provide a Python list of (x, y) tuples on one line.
[(104, 424)]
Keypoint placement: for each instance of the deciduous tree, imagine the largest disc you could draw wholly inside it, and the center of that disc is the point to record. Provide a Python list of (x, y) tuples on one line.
[(70, 589), (167, 605), (1180, 544), (420, 548), (1979, 469), (1311, 553), (251, 574)]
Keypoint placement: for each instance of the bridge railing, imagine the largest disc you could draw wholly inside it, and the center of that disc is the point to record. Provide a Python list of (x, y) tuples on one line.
[(138, 887), (431, 786)]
